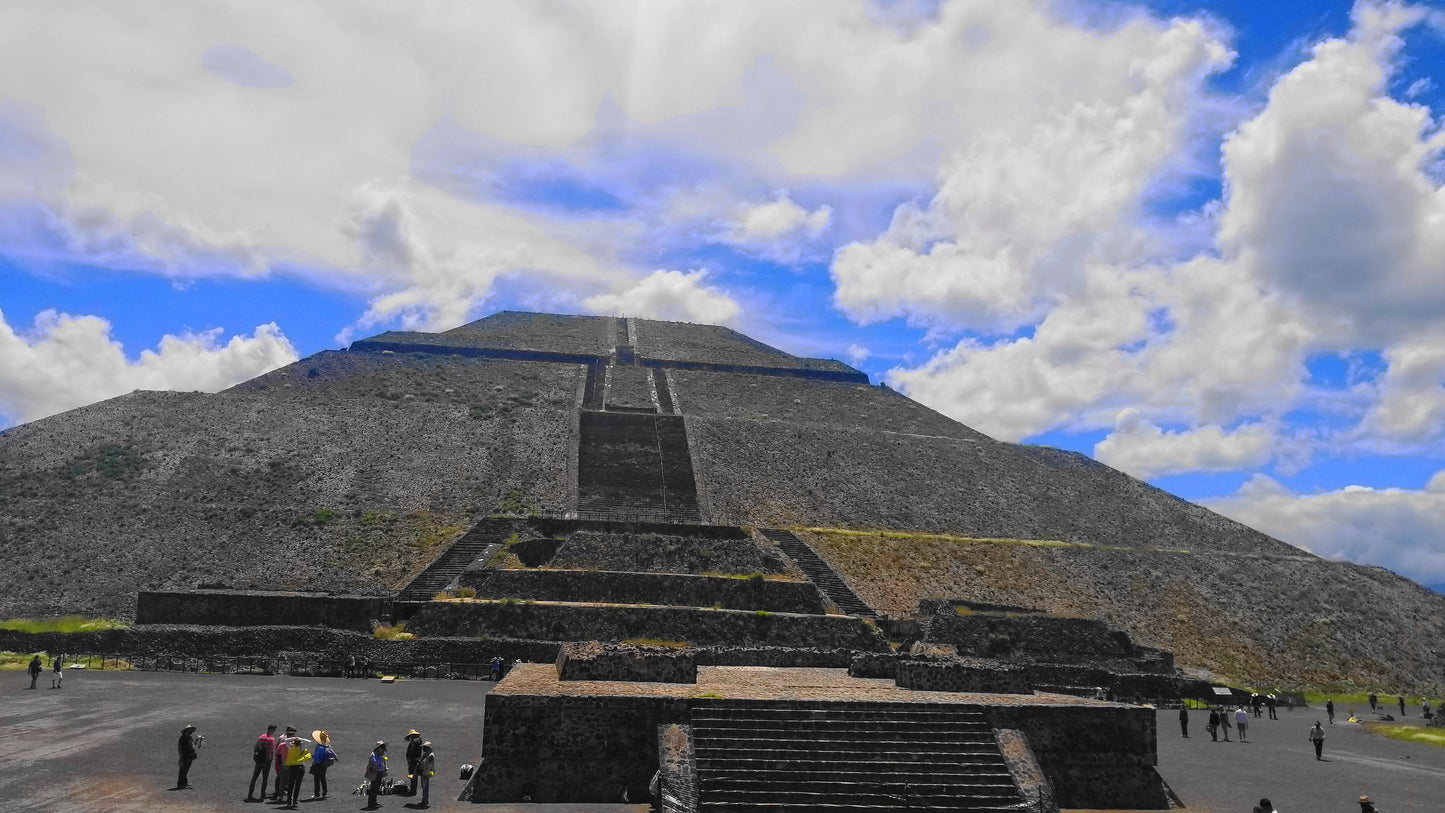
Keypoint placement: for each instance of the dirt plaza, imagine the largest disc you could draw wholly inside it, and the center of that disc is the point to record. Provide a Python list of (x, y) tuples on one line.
[(107, 742)]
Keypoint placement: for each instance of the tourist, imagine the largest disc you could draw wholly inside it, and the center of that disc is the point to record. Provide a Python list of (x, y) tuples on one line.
[(1402, 705), (1184, 721), (1330, 710), (324, 758), (1241, 721), (297, 756), (1266, 806), (1317, 736), (1425, 709), (282, 746), (413, 755), (1366, 806), (425, 767), (186, 751), (56, 675), (1257, 704), (1213, 726), (375, 770), (1271, 703), (496, 670), (261, 754), (36, 667), (1374, 701), (1224, 722)]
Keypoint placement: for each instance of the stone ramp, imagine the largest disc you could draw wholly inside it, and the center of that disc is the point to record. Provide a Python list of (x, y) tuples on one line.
[(820, 573), (828, 756), (479, 541), (635, 466)]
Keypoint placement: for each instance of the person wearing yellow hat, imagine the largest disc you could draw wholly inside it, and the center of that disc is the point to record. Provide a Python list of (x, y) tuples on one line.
[(1366, 806), (324, 757), (413, 755)]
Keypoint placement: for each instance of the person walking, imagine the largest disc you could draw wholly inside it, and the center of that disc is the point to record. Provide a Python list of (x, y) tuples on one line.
[(1374, 701), (35, 669), (1330, 710), (1270, 701), (1402, 705), (1241, 721), (1317, 736), (413, 755), (425, 768), (56, 675), (375, 770), (1184, 721), (261, 755), (1224, 722), (186, 751), (1213, 726), (1367, 806), (323, 759)]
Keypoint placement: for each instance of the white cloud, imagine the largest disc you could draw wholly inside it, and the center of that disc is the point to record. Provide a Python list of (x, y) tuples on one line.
[(1399, 529), (1143, 449), (1328, 240), (671, 295), (67, 361), (857, 354), (780, 218)]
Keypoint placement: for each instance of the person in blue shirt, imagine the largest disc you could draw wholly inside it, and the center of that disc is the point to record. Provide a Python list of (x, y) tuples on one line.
[(324, 757)]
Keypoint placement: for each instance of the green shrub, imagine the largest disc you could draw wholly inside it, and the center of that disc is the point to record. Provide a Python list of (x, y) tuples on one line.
[(69, 623), (466, 592), (393, 632)]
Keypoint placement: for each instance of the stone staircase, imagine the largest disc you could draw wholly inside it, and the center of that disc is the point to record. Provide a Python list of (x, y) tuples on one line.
[(634, 467), (820, 573), (822, 757), (481, 540), (596, 383), (664, 393)]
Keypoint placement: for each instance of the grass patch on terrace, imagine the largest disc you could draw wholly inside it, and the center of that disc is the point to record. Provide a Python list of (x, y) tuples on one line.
[(993, 540), (392, 632), (670, 644), (1409, 732), (1387, 702), (69, 623)]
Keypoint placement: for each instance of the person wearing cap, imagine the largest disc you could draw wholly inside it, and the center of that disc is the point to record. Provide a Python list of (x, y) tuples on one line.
[(425, 767), (413, 755), (283, 744), (324, 758), (1366, 806), (186, 750), (375, 770), (261, 754), (1317, 736)]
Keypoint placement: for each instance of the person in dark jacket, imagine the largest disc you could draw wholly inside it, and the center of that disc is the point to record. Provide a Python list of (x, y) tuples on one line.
[(1213, 725), (375, 772), (35, 668), (413, 756), (1184, 721), (186, 750)]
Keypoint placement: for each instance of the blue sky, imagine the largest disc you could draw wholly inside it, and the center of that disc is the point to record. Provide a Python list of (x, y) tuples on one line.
[(1196, 240)]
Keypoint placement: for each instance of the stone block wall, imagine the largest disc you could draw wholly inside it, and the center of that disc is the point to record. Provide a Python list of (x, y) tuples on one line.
[(570, 749), (675, 758), (566, 622), (613, 587), (240, 608), (1095, 757), (961, 675), (1029, 636), (590, 660)]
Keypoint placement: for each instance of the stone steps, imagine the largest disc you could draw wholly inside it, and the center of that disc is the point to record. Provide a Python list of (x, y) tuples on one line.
[(480, 540), (819, 572), (664, 393), (823, 757), (635, 466)]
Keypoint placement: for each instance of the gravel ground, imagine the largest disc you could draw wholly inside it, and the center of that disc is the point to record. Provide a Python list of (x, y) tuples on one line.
[(107, 741)]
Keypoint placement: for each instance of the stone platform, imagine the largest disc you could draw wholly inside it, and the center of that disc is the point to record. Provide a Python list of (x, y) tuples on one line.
[(548, 740)]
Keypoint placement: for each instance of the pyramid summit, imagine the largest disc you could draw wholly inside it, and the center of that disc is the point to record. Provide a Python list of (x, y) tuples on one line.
[(370, 471)]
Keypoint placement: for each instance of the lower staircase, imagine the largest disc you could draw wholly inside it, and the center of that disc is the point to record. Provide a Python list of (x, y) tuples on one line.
[(820, 757), (635, 467), (819, 573), (479, 541)]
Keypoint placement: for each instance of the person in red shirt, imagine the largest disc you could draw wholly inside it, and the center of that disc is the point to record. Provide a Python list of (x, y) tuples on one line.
[(262, 754)]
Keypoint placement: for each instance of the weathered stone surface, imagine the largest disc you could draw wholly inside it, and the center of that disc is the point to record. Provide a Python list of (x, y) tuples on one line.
[(961, 675), (236, 608), (673, 589), (591, 660)]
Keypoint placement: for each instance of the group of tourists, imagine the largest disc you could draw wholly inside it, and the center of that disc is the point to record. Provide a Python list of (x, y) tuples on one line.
[(293, 756)]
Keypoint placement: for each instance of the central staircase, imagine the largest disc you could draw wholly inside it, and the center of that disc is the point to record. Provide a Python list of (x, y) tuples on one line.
[(820, 757), (635, 467)]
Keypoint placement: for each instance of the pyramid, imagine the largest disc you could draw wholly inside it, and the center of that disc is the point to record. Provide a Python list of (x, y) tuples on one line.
[(363, 472)]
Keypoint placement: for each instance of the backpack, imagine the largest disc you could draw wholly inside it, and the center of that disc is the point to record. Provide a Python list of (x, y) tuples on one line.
[(259, 754)]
